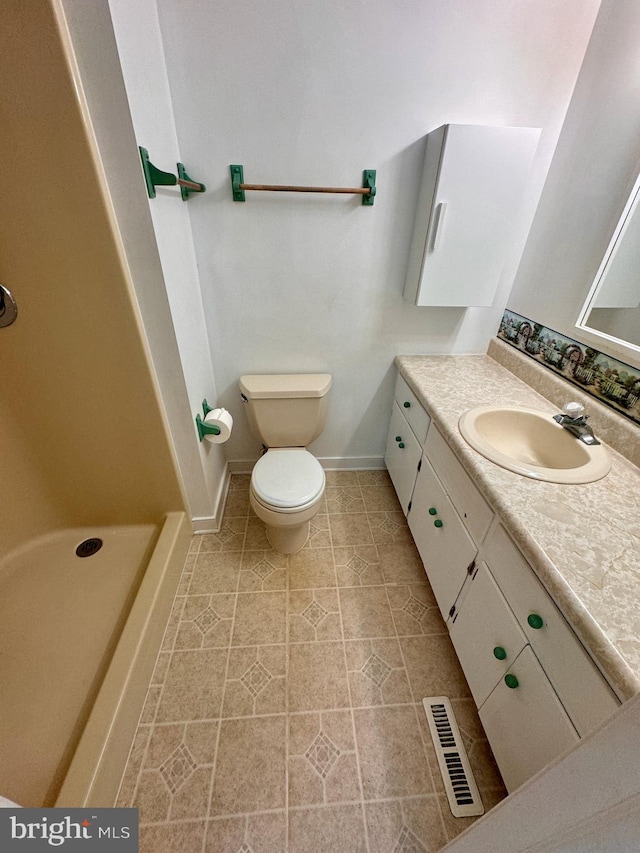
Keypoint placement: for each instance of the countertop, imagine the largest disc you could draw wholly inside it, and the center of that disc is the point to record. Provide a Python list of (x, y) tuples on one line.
[(582, 541)]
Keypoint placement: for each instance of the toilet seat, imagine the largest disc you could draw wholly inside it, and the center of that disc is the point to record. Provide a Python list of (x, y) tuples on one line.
[(287, 479)]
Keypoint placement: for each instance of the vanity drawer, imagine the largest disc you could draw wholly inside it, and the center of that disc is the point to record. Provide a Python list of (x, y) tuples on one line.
[(401, 457), (472, 507), (412, 409), (582, 689)]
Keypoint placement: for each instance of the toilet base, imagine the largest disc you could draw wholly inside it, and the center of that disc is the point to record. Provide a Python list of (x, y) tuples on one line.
[(288, 540)]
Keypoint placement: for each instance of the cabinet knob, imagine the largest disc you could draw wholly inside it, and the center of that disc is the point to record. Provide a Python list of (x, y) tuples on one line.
[(407, 404), (401, 445), (433, 510), (499, 653), (398, 438), (535, 621), (438, 523), (511, 681)]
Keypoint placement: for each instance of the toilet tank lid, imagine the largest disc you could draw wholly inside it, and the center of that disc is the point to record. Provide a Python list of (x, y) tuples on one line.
[(259, 386)]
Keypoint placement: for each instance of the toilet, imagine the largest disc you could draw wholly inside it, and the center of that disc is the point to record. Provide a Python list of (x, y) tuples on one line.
[(287, 412)]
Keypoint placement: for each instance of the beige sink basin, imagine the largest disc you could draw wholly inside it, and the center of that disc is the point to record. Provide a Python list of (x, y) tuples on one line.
[(531, 443)]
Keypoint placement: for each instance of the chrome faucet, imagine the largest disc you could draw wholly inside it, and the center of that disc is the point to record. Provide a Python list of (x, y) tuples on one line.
[(574, 419)]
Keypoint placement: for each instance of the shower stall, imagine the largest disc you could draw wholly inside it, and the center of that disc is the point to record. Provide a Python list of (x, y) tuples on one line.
[(93, 527)]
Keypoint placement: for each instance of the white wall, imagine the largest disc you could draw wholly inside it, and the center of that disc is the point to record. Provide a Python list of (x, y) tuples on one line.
[(593, 172), (142, 60), (315, 93)]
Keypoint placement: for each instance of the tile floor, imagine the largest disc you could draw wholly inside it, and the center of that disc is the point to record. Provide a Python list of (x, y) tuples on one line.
[(285, 710)]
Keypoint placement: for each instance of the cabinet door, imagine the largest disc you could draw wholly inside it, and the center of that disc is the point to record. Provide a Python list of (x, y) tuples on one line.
[(473, 182), (444, 545), (410, 406), (401, 457), (484, 633), (526, 724), (587, 697)]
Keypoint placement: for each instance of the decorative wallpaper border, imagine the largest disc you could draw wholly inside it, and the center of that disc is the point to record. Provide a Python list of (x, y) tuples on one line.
[(611, 381)]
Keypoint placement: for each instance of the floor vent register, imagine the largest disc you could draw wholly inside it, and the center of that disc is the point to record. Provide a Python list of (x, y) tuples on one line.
[(461, 788)]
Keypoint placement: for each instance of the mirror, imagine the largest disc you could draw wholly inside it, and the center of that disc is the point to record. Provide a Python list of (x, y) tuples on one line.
[(612, 308)]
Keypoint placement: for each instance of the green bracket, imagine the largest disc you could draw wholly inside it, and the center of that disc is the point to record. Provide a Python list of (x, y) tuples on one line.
[(369, 181), (237, 178), (185, 192), (155, 177), (203, 428)]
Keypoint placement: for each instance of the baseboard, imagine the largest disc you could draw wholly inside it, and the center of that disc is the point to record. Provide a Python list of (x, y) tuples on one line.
[(329, 463), (213, 523)]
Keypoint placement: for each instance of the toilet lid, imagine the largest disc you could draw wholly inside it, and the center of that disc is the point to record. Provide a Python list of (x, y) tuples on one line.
[(287, 477)]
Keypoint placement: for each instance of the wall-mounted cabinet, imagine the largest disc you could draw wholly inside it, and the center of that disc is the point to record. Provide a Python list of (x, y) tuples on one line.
[(473, 183)]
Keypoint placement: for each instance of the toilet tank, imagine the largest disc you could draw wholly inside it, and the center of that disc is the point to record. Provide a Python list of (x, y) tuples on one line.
[(286, 409)]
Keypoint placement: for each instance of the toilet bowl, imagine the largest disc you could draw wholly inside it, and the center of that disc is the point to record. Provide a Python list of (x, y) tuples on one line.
[(287, 487), (287, 411)]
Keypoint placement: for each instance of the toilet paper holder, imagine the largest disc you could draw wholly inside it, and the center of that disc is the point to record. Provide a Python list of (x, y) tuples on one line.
[(205, 429)]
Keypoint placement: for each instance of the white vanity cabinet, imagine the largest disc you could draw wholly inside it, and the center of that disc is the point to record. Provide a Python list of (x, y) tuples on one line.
[(485, 633), (444, 545), (536, 688), (583, 691), (407, 434), (525, 721), (473, 183)]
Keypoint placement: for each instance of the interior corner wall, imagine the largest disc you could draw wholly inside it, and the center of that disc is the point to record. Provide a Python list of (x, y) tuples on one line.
[(313, 93), (162, 266), (594, 169)]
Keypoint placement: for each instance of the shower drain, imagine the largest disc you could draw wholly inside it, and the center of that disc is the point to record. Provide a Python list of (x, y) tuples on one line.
[(88, 547)]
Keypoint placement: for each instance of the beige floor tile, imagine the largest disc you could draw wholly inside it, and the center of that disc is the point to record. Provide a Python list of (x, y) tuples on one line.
[(319, 533), (380, 583), (317, 677), (169, 837), (193, 687), (342, 499), (366, 612), (376, 673), (257, 833), (415, 610), (455, 825), (206, 622), (373, 478), (412, 825), (401, 564), (358, 565), (230, 537), (239, 481), (350, 529), (312, 567), (255, 682), (392, 760), (132, 770), (263, 570), (341, 478), (339, 829), (433, 668), (250, 767), (237, 503), (389, 528), (380, 497), (260, 619), (322, 759), (215, 573), (314, 615), (256, 537)]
